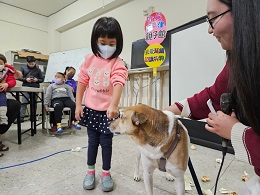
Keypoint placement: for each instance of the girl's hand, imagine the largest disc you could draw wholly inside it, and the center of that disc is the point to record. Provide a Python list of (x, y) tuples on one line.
[(221, 124), (78, 113), (112, 112)]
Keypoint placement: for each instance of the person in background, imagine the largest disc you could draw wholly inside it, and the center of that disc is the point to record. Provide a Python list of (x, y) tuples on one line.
[(7, 80), (235, 24), (59, 95), (102, 75), (32, 77), (13, 106), (69, 74)]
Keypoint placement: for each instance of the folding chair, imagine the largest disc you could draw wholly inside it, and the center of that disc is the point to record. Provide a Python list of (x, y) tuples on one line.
[(65, 122)]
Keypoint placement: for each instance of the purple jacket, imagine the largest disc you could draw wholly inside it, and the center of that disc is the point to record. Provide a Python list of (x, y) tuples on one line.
[(73, 84)]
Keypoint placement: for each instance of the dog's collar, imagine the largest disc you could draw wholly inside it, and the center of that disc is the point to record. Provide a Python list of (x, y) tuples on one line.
[(163, 159)]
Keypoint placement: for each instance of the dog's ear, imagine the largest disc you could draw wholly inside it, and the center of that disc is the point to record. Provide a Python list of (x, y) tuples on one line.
[(138, 118)]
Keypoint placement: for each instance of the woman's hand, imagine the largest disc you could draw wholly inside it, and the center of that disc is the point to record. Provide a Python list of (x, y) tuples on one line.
[(112, 111), (78, 113), (221, 124)]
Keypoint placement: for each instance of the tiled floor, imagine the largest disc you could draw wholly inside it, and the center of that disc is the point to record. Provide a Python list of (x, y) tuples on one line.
[(46, 165)]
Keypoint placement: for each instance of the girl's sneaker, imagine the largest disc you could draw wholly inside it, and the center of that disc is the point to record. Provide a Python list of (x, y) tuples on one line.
[(75, 125), (107, 183), (59, 130), (89, 182)]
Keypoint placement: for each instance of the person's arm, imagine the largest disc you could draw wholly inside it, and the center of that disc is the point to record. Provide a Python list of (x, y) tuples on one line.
[(48, 96), (15, 73), (23, 79), (173, 108), (10, 80), (83, 80), (80, 92), (118, 79), (40, 77), (74, 86), (70, 92), (196, 107), (112, 111), (244, 140), (246, 144), (18, 74)]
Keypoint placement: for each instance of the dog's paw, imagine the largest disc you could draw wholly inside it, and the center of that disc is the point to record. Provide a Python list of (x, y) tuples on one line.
[(137, 178), (169, 177)]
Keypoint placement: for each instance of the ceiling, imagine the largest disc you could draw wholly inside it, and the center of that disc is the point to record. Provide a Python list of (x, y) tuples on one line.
[(41, 7)]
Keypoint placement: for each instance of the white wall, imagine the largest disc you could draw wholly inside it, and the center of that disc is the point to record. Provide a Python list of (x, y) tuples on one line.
[(22, 30), (130, 17), (190, 64), (71, 27)]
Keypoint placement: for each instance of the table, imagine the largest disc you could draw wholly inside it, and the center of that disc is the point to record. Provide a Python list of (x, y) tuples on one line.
[(16, 92)]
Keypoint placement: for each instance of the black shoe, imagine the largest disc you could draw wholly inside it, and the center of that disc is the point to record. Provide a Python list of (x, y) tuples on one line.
[(21, 120)]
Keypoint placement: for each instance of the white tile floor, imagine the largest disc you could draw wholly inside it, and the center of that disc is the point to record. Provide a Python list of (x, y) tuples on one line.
[(45, 165)]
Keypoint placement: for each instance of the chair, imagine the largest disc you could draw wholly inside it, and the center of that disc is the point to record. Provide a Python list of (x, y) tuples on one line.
[(66, 116), (65, 122)]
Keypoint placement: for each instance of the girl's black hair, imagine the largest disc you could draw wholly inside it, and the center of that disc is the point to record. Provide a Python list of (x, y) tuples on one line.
[(61, 74), (3, 58), (107, 26), (244, 73), (69, 68)]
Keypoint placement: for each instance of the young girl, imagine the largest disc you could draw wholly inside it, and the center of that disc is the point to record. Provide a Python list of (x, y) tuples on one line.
[(103, 76), (69, 74)]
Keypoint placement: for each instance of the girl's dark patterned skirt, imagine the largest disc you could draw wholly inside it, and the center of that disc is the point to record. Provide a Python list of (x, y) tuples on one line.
[(96, 120)]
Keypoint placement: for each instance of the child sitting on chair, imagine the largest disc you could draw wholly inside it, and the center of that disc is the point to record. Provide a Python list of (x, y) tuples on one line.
[(59, 95)]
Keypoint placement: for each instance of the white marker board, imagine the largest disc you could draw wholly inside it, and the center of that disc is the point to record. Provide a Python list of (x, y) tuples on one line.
[(196, 60), (58, 61)]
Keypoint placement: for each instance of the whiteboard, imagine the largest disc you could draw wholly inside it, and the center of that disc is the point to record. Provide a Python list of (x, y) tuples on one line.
[(196, 60), (58, 61)]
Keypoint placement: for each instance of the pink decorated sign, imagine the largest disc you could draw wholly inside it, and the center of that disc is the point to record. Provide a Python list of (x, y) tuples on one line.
[(155, 28)]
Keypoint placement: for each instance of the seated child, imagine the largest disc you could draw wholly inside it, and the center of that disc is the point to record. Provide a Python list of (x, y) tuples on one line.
[(59, 95), (7, 80)]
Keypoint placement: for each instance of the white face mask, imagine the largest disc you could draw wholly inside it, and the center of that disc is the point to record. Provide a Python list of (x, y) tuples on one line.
[(57, 81), (2, 67), (106, 51)]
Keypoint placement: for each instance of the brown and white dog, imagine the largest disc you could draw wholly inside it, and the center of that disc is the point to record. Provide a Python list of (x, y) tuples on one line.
[(155, 131)]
